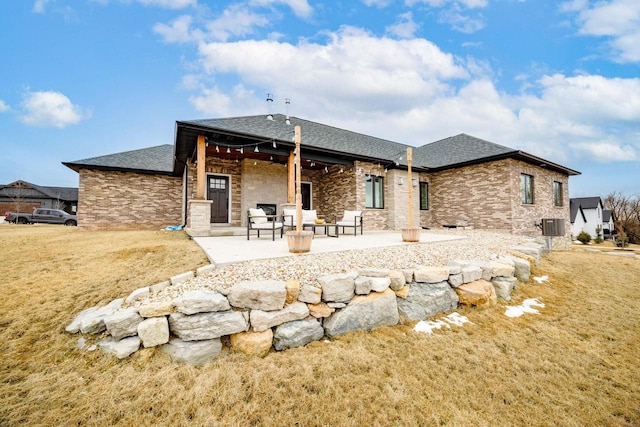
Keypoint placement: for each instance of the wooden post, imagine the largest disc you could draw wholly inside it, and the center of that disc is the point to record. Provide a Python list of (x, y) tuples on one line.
[(298, 182), (200, 168), (291, 186), (410, 185)]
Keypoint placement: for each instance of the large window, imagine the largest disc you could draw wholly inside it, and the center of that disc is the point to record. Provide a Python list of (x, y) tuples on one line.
[(374, 192), (557, 193), (526, 189), (424, 196)]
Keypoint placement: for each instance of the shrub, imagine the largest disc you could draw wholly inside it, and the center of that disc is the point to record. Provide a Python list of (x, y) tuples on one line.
[(598, 238), (584, 238)]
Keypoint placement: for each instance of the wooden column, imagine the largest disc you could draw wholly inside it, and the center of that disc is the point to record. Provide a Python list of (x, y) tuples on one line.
[(410, 185), (200, 169), (298, 182), (291, 186)]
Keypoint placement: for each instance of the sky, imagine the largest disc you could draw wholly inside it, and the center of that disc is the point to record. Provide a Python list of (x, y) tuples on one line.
[(556, 79)]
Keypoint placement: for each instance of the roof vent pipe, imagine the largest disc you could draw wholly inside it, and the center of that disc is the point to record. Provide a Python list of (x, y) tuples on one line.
[(287, 102), (269, 102)]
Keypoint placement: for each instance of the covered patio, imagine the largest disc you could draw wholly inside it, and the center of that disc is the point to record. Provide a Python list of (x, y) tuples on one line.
[(226, 250)]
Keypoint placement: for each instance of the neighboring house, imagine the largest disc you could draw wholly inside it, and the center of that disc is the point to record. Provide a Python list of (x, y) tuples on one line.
[(608, 224), (23, 196), (578, 219), (592, 209), (217, 169)]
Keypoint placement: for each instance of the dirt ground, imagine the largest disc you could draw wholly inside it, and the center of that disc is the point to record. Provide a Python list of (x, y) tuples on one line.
[(574, 364)]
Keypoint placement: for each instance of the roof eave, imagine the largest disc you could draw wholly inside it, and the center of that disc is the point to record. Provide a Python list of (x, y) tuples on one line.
[(77, 166)]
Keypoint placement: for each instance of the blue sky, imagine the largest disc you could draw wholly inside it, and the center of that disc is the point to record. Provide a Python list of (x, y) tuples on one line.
[(557, 79)]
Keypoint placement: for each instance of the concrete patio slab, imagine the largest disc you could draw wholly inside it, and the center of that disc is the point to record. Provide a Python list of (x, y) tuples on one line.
[(233, 249)]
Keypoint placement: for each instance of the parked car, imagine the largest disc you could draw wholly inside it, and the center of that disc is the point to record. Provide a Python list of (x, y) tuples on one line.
[(41, 215)]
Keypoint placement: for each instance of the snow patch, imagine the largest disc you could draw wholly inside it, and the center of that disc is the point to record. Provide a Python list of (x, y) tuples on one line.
[(428, 326), (525, 307), (541, 279)]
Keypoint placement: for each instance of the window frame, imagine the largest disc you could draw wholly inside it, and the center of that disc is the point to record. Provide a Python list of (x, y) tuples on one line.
[(527, 199), (558, 194), (376, 183), (424, 206)]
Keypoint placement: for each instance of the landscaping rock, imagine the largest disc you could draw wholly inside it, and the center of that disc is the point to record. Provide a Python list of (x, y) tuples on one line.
[(408, 275), (195, 353), (504, 286), (293, 290), (532, 251), (456, 280), (183, 277), (500, 269), (262, 320), (374, 272), (338, 287), (201, 271), (479, 293), (119, 348), (397, 280), (403, 292), (337, 305), (522, 269), (159, 286), (320, 310), (123, 323), (74, 326), (264, 295), (364, 313), (156, 309), (137, 295), (366, 284), (310, 294), (471, 273), (154, 331), (426, 299), (297, 334), (427, 274), (206, 326), (192, 302), (253, 343), (92, 321)]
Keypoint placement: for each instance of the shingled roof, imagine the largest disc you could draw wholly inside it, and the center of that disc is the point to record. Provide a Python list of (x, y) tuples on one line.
[(157, 159), (68, 194), (587, 202), (318, 139)]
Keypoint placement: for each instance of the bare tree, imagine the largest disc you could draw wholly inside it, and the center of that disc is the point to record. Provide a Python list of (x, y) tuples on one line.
[(626, 210)]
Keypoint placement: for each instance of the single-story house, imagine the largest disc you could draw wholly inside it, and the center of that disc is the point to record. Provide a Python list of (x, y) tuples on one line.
[(22, 196), (592, 210), (219, 168), (608, 224)]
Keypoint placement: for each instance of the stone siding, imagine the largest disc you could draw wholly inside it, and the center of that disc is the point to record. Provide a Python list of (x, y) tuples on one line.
[(375, 219), (487, 196), (121, 200), (397, 200)]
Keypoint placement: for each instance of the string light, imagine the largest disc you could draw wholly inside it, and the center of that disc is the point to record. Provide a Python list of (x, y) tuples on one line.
[(217, 148), (256, 149), (228, 150)]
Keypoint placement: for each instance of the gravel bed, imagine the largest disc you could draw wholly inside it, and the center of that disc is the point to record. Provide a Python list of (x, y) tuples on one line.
[(481, 245)]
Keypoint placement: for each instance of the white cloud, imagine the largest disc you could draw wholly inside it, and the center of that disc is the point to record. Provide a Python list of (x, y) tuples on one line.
[(300, 8), (461, 22), (605, 152), (179, 31), (236, 20), (50, 109), (4, 107), (38, 6), (169, 4), (469, 4), (377, 3), (404, 28), (619, 20), (354, 69)]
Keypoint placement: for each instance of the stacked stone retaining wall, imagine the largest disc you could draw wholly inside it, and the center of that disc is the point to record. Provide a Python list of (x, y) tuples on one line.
[(258, 316)]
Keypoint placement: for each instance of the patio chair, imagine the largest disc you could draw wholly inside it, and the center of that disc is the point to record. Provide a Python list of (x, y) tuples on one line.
[(351, 219), (258, 220), (309, 217)]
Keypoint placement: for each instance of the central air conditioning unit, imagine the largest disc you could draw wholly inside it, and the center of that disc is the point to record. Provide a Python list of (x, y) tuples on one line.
[(552, 226)]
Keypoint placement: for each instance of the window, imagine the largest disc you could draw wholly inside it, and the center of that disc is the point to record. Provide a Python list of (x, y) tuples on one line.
[(374, 192), (526, 189), (557, 194), (424, 196)]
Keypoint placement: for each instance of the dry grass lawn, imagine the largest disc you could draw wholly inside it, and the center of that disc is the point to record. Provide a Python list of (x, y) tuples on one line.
[(575, 364)]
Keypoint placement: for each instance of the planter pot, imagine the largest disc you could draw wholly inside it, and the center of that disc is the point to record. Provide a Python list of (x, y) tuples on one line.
[(411, 234), (299, 241)]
